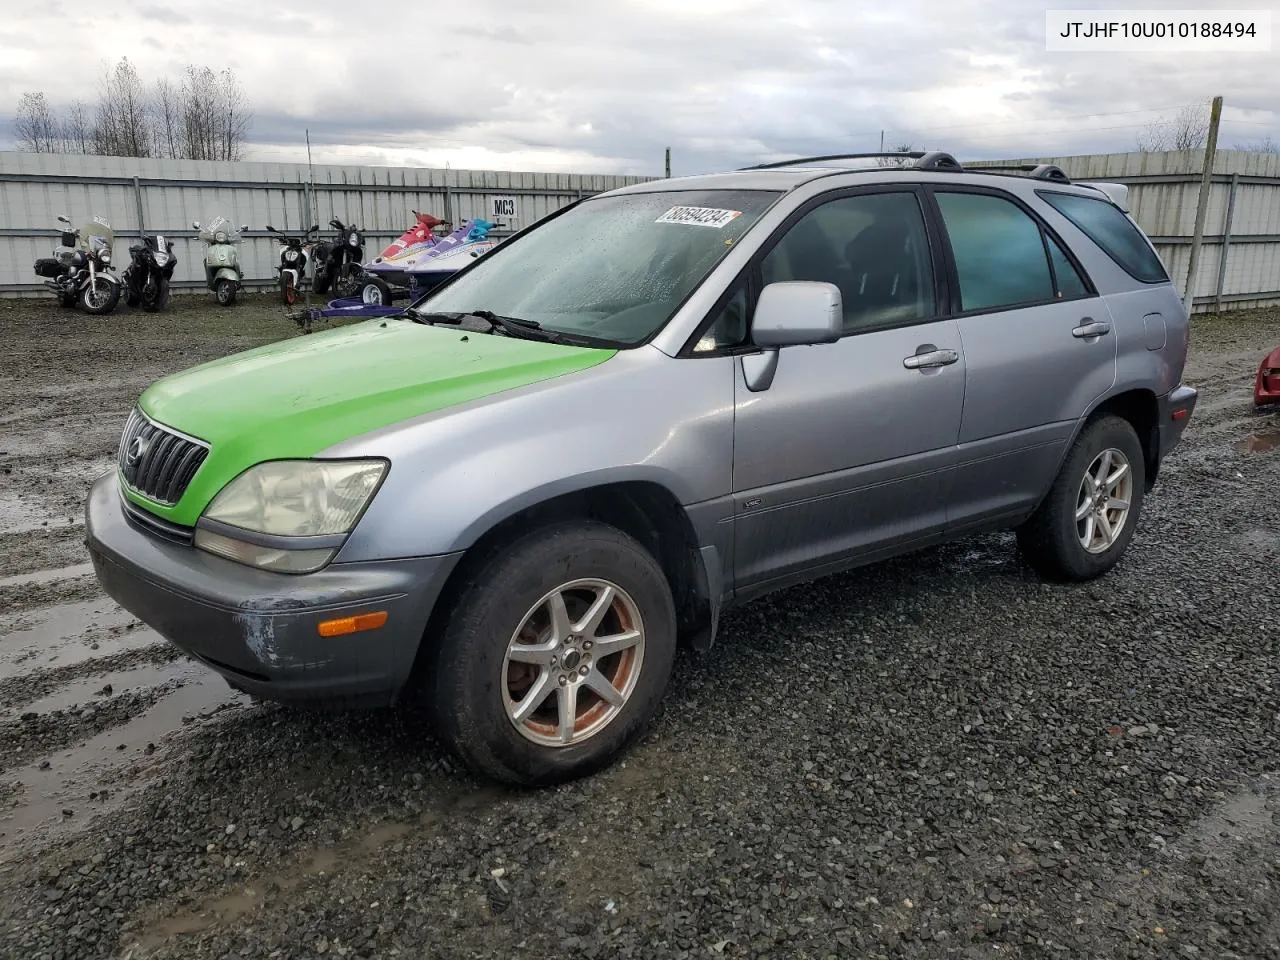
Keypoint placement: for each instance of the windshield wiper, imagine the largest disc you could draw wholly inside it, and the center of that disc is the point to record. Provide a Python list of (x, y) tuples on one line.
[(511, 326), (515, 326), (431, 319)]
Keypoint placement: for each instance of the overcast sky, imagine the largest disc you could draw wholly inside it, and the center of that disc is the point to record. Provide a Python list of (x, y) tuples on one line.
[(604, 86)]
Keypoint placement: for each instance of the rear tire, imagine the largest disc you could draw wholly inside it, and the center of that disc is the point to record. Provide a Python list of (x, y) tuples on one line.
[(1053, 540), (288, 292), (473, 677), (225, 291)]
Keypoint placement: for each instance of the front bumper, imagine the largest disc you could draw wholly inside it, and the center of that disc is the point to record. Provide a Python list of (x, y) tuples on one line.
[(259, 629), (1175, 410)]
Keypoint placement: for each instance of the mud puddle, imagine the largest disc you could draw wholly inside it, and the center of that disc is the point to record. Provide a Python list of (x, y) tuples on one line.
[(70, 633), (98, 775), (112, 683), (1261, 442), (19, 514), (53, 575)]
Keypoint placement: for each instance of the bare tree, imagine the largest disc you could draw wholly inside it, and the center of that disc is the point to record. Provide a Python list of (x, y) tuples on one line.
[(235, 125), (1265, 145), (35, 127), (892, 161), (166, 119), (205, 116), (76, 130), (1189, 130)]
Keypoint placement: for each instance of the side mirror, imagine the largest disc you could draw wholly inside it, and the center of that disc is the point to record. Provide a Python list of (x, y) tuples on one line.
[(64, 220), (195, 224), (271, 228), (244, 226), (791, 313)]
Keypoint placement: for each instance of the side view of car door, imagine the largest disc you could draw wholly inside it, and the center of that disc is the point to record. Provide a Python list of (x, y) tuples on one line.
[(844, 455), (1039, 348)]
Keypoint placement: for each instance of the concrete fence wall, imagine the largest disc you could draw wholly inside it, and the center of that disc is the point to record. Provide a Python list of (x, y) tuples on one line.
[(1239, 263), (165, 196)]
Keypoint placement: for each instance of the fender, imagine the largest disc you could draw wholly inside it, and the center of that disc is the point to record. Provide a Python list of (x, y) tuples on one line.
[(94, 275), (1084, 419)]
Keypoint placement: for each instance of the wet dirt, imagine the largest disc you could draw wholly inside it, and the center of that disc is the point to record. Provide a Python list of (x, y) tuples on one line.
[(1262, 442)]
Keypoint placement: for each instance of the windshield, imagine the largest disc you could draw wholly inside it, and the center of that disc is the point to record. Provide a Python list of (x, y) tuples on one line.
[(219, 230), (614, 268), (97, 235)]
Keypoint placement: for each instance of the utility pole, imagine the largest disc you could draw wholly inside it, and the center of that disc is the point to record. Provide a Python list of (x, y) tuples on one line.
[(1202, 202), (668, 162), (882, 141)]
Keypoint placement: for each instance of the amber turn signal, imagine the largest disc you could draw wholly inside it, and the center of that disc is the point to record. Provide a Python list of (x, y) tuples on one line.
[(356, 624)]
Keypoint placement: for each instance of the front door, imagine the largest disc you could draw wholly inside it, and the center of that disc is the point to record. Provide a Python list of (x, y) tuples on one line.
[(1039, 346), (846, 453)]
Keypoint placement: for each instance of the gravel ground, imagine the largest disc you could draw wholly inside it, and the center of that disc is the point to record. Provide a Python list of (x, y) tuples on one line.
[(935, 757)]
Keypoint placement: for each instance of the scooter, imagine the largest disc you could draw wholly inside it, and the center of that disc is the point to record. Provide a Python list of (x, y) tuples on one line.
[(80, 269), (338, 260), (150, 270), (222, 258), (293, 262)]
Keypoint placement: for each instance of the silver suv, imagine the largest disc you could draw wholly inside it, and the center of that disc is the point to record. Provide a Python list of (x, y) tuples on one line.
[(519, 495)]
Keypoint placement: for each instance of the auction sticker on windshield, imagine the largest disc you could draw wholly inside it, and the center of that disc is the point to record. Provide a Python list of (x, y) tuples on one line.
[(699, 216)]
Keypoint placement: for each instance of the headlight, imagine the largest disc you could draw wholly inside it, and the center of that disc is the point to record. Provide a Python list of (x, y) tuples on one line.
[(104, 257), (283, 506), (161, 258), (219, 237), (354, 240)]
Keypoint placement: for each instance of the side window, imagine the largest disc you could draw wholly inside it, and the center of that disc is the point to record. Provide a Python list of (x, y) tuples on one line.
[(1070, 284), (729, 329), (998, 250), (1110, 229), (873, 247)]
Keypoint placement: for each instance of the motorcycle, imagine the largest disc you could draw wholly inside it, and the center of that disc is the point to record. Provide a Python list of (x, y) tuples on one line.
[(293, 262), (338, 260), (150, 270), (80, 269), (222, 258)]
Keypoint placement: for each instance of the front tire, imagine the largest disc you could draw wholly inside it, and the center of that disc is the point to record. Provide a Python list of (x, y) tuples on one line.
[(554, 656), (225, 291), (99, 297), (1086, 521)]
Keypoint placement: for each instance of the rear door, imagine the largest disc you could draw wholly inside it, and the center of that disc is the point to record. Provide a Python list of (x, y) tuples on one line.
[(1039, 349)]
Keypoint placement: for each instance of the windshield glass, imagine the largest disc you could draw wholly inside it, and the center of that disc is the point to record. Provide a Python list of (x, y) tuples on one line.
[(614, 268), (97, 235), (219, 230)]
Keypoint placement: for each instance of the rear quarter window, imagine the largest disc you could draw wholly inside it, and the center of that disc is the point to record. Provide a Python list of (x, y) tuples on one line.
[(1110, 229)]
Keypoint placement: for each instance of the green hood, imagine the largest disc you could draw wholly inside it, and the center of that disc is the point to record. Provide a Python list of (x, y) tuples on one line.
[(299, 396)]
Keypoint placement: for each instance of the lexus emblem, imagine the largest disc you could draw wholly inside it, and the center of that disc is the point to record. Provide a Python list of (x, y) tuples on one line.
[(136, 449)]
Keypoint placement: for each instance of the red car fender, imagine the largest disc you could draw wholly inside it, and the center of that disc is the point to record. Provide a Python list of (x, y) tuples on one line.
[(1266, 388)]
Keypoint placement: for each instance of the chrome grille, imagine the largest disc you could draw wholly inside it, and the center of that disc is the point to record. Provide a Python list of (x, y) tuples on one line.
[(158, 462)]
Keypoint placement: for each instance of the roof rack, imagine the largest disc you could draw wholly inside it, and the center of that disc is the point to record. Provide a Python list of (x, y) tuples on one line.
[(924, 160), (1038, 171)]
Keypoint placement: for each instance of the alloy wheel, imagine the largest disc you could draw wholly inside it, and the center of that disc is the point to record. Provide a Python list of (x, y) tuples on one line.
[(573, 663)]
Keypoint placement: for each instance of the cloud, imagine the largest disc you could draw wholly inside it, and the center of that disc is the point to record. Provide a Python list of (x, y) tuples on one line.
[(587, 86)]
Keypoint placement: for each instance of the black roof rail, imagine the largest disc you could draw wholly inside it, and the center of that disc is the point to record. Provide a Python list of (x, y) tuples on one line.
[(938, 160), (1038, 171), (911, 155), (924, 159)]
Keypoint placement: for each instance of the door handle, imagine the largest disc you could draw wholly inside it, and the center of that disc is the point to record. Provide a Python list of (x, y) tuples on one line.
[(934, 358), (1091, 328)]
